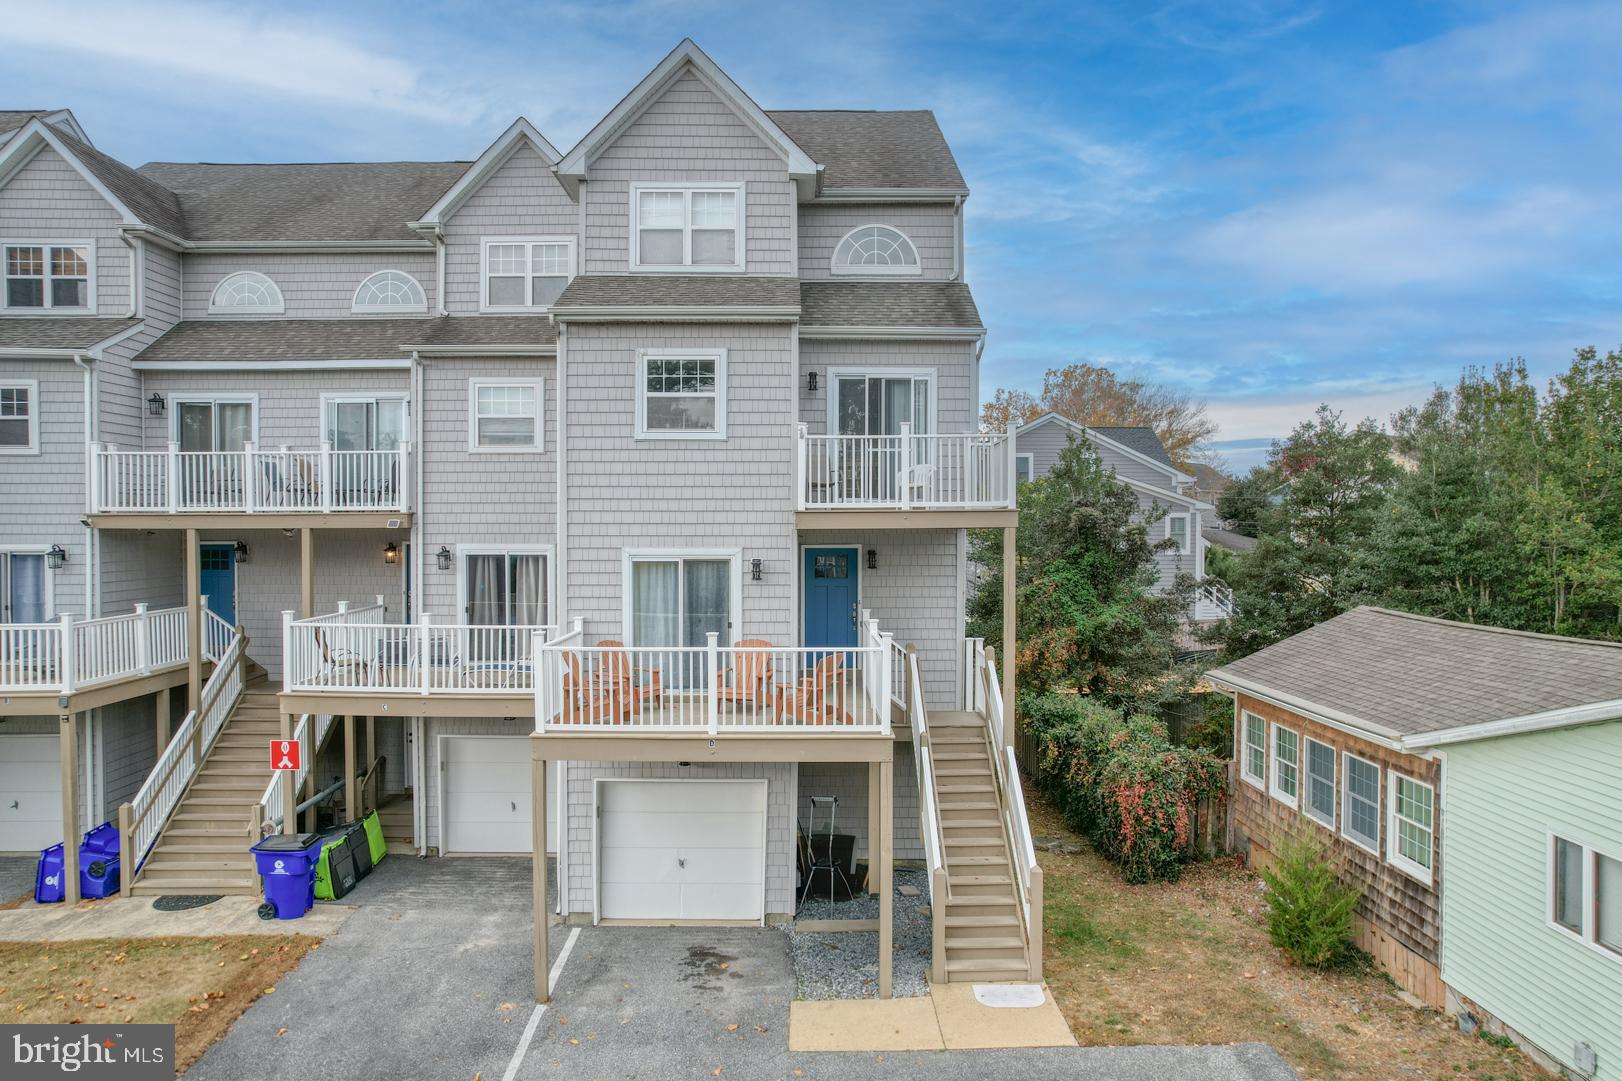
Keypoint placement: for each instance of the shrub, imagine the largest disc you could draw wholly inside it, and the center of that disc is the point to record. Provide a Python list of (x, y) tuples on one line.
[(1309, 910), (1120, 782)]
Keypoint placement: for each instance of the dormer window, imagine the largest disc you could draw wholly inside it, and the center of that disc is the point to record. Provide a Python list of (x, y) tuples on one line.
[(246, 292), (876, 249), (684, 227), (525, 273), (49, 276), (389, 292)]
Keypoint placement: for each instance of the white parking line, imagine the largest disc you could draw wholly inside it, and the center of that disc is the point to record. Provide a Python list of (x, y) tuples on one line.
[(540, 1008)]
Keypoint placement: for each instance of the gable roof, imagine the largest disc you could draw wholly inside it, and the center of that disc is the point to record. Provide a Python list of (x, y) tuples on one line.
[(61, 119), (1135, 442), (889, 304), (137, 199), (1414, 681), (519, 133), (1227, 538), (868, 150), (686, 56)]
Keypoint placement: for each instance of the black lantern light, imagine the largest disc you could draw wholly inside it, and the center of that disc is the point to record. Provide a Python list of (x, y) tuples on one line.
[(443, 558), (155, 405), (872, 559), (754, 570), (240, 551), (391, 553), (56, 558), (811, 381)]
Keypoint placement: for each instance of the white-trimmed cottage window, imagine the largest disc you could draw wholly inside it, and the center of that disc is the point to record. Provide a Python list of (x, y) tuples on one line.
[(1585, 894), (389, 292), (19, 417), (1566, 887), (875, 249), (247, 292), (687, 226), (50, 276), (1286, 782), (1413, 812), (1360, 805), (1253, 766), (1024, 468), (504, 415), (525, 273), (1320, 801), (1177, 530), (681, 394)]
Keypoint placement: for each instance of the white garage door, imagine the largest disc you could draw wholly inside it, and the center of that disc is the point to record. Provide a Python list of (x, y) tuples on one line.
[(30, 793), (681, 850), (486, 794)]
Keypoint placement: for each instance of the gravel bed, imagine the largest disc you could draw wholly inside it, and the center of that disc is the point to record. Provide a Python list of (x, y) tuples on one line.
[(845, 964)]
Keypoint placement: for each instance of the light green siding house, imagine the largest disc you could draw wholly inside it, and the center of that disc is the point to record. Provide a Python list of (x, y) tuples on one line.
[(1532, 912)]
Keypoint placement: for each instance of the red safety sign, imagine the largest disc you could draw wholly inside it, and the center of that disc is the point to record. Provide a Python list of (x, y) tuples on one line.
[(284, 754)]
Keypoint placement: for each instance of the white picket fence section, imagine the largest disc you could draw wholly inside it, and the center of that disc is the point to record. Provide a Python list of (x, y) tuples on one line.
[(905, 471), (71, 655), (354, 650), (251, 480)]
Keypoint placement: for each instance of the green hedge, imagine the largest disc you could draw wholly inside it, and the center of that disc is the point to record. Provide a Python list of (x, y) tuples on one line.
[(1120, 781)]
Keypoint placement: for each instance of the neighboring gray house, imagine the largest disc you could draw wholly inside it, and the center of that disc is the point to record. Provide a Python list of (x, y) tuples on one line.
[(647, 460)]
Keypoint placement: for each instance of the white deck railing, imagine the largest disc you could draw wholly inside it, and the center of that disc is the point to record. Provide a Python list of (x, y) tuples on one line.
[(748, 686), (253, 480), (1213, 600), (309, 734), (929, 816), (905, 471), (1027, 873), (71, 655), (353, 650)]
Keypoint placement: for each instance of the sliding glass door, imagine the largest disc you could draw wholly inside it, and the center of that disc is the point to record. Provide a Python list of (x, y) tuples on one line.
[(22, 587), (875, 405), (504, 589), (214, 425), (680, 601)]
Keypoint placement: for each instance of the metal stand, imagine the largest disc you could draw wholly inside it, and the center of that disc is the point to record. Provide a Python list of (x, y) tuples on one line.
[(825, 861)]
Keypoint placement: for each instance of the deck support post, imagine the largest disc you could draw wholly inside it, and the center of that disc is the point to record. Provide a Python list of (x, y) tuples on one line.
[(886, 859), (1010, 633), (872, 883), (68, 751), (194, 623), (289, 796), (306, 569), (351, 803), (543, 911), (160, 721)]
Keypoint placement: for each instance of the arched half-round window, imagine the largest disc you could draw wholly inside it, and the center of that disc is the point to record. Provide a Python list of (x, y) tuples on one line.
[(390, 291), (876, 249), (246, 292)]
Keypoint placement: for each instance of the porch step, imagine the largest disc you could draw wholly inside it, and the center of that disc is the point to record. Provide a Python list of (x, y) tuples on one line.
[(231, 886), (985, 970), (961, 946), (975, 861), (979, 880), (979, 922)]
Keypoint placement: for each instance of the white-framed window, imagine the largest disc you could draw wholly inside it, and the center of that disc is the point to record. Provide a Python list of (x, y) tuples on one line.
[(874, 250), (50, 275), (1567, 885), (1024, 468), (247, 292), (1253, 763), (678, 597), (19, 417), (207, 422), (26, 586), (689, 227), (504, 415), (505, 586), (874, 401), (1320, 801), (1412, 827), (1585, 893), (1286, 776), (389, 292), (524, 273), (353, 422), (1360, 801), (1177, 530), (681, 394)]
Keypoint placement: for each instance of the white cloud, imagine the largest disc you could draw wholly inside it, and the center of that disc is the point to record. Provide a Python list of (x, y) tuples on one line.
[(1273, 417)]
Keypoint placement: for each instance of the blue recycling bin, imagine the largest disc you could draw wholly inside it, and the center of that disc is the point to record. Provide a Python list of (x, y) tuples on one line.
[(286, 861), (99, 862), (49, 887)]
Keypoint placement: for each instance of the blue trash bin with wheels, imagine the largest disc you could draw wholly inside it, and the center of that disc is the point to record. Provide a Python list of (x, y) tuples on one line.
[(99, 862), (49, 884), (286, 861)]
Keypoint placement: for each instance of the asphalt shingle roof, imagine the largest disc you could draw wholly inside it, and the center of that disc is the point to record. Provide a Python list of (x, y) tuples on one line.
[(260, 340), (888, 304), (1142, 440), (12, 119), (323, 201), (872, 149), (149, 200), (485, 330), (1227, 538), (679, 291), (1413, 674), (60, 333)]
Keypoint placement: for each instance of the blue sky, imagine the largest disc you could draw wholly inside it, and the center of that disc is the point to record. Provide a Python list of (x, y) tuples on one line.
[(1266, 204)]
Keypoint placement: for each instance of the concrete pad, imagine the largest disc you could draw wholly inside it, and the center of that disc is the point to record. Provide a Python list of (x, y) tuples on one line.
[(134, 917), (968, 1025), (16, 877), (896, 1024)]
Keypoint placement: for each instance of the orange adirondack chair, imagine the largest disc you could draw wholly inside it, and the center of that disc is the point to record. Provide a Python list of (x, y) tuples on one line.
[(819, 698), (644, 684), (593, 699), (751, 674)]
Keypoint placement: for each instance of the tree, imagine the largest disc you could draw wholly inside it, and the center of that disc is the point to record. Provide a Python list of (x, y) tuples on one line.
[(1088, 620), (1093, 396), (1243, 502)]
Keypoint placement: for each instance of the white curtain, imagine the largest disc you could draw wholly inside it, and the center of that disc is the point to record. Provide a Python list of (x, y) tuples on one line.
[(707, 601), (655, 604), (27, 588), (528, 589), (487, 589)]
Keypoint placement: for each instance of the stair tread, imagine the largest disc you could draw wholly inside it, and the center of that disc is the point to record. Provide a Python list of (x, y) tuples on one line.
[(978, 880), (976, 861), (986, 964), (985, 942), (981, 921)]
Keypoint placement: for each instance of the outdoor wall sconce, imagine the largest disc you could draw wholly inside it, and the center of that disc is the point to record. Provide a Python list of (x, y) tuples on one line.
[(443, 558), (754, 570), (391, 553), (872, 559), (154, 404), (56, 558), (811, 381), (240, 551)]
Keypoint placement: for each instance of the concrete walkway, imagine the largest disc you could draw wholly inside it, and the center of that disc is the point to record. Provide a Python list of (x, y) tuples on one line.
[(136, 918)]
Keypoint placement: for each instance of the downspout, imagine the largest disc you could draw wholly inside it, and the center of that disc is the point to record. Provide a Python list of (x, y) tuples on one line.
[(416, 519), (92, 564), (137, 249), (957, 238), (439, 268), (561, 527)]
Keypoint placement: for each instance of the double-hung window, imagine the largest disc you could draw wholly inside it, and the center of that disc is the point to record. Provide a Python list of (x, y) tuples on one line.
[(1253, 765), (1412, 828), (681, 394), (1286, 785), (364, 422), (1360, 802), (1177, 530), (525, 273), (687, 227), (1023, 468), (49, 276), (19, 417), (1585, 894), (1320, 802), (504, 415)]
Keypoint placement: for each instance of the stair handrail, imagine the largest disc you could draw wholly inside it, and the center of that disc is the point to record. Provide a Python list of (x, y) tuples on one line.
[(143, 818), (308, 733), (1027, 872), (929, 815), (373, 778)]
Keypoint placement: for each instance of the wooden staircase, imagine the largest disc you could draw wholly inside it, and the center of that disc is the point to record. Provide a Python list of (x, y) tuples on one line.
[(985, 934), (394, 815), (203, 848)]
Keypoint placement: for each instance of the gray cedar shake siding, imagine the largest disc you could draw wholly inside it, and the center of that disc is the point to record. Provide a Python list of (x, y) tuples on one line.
[(288, 410), (313, 286), (952, 364), (932, 228), (48, 200), (520, 199), (45, 492)]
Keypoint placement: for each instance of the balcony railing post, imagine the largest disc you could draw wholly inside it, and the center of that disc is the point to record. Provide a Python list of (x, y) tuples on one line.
[(68, 654), (287, 649), (801, 469), (423, 637), (1010, 448), (712, 654), (905, 474), (249, 497), (324, 476), (886, 675), (143, 639), (95, 477), (402, 491), (173, 477)]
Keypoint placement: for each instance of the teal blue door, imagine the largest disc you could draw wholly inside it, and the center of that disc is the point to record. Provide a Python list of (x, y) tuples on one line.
[(219, 580), (831, 598)]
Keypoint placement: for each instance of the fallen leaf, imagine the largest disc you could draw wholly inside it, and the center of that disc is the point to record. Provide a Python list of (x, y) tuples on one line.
[(732, 1027), (717, 1071), (724, 966), (281, 1032), (270, 990), (505, 1006), (760, 1028), (574, 1043)]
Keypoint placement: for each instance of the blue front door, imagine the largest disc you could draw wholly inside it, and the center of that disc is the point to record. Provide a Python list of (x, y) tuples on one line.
[(219, 580), (830, 578)]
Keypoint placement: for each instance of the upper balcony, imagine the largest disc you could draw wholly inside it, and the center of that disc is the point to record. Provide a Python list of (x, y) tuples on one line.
[(905, 480), (280, 487)]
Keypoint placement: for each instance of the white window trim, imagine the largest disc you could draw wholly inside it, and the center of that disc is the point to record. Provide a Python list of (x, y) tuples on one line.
[(686, 266), (734, 556), (1347, 757), (1187, 544), (645, 355), (846, 271), (90, 276), (1273, 762), (356, 307), (331, 398), (1257, 781), (473, 385), (836, 374), (465, 550), (1588, 934), (1028, 457), (1306, 783), (278, 308), (178, 398), (1393, 851), (484, 270), (32, 387)]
